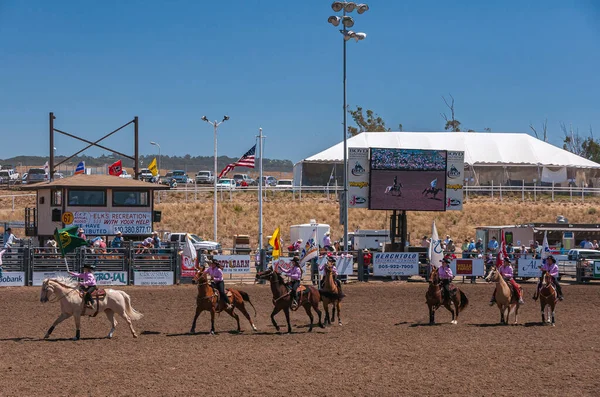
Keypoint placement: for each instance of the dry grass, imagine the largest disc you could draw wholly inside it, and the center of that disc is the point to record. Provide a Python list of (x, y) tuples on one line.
[(240, 216)]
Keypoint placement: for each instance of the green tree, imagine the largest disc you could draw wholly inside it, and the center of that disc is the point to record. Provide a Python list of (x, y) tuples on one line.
[(588, 148), (371, 123)]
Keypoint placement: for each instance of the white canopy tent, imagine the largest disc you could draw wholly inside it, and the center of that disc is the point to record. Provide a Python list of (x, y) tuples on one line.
[(500, 153)]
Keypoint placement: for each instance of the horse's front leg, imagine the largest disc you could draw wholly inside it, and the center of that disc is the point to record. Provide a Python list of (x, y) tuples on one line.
[(326, 308), (77, 317), (60, 319), (198, 311), (338, 304), (273, 313), (212, 320), (287, 318), (310, 316)]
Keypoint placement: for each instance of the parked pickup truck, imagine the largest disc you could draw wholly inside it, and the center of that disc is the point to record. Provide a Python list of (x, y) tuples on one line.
[(205, 177), (199, 244), (9, 176)]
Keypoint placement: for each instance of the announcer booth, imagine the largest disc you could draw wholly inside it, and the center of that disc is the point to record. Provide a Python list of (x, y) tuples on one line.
[(100, 204)]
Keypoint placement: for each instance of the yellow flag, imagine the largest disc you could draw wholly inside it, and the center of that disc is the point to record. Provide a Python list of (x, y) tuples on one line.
[(153, 168), (275, 242)]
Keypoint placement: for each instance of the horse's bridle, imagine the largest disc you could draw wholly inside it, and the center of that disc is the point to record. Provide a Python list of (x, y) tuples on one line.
[(55, 294)]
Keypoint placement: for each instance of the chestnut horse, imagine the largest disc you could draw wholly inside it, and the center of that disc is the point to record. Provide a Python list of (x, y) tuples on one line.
[(506, 299), (330, 295), (434, 298), (547, 298), (308, 298), (209, 300)]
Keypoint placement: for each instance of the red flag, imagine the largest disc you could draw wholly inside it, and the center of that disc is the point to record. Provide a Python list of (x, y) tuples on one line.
[(116, 169), (501, 251)]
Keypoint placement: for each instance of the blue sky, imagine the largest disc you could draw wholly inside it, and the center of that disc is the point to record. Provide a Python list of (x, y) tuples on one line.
[(277, 65)]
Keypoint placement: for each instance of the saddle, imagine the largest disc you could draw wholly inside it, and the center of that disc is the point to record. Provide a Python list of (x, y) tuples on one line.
[(218, 295), (300, 289), (98, 294)]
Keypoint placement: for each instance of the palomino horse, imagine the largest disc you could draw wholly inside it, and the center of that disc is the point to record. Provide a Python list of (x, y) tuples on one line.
[(208, 299), (394, 189), (66, 291), (308, 297), (434, 298), (330, 295), (506, 300), (547, 298)]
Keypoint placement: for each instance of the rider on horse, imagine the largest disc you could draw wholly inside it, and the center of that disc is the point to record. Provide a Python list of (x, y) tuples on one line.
[(216, 274), (446, 276), (552, 268), (331, 259), (88, 283), (506, 271), (295, 275)]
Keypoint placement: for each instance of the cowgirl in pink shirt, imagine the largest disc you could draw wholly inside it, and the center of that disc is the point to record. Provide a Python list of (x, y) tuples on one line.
[(215, 272), (331, 259), (506, 271), (446, 276), (88, 283), (295, 275), (551, 267)]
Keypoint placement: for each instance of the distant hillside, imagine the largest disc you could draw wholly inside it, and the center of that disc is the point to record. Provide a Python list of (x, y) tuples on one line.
[(186, 163)]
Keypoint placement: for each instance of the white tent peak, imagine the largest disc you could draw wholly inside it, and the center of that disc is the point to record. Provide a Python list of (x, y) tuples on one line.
[(481, 148)]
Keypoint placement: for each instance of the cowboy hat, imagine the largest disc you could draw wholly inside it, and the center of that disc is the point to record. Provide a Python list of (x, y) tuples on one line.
[(119, 233), (507, 259), (296, 259), (446, 260), (331, 258), (153, 233), (80, 230), (550, 257), (89, 266), (327, 233)]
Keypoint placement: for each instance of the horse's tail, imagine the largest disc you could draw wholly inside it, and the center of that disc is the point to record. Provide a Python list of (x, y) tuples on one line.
[(131, 312), (464, 301), (246, 298), (331, 295)]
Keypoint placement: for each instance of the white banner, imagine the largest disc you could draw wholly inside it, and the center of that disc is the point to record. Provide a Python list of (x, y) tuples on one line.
[(396, 264), (467, 267), (153, 278), (358, 177), (343, 263), (529, 268), (455, 176), (38, 277), (285, 264), (234, 264), (110, 278), (107, 223), (558, 176), (12, 279)]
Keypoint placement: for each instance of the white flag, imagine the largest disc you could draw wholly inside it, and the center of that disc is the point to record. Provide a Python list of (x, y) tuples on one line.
[(310, 250), (545, 248), (46, 168), (189, 253), (436, 253)]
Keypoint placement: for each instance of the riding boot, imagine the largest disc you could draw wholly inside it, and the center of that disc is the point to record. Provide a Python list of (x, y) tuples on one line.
[(493, 300)]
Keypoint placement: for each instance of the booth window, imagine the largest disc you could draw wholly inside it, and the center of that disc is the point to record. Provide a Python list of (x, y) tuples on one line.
[(87, 198), (130, 198), (56, 197)]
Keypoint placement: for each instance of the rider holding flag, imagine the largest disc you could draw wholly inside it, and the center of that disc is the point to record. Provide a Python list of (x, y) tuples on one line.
[(445, 274), (506, 271)]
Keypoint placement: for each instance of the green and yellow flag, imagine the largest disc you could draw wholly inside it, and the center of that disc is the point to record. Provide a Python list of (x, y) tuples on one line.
[(153, 168), (68, 240)]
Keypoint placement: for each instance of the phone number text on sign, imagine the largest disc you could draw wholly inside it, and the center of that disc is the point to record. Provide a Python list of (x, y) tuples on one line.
[(396, 264)]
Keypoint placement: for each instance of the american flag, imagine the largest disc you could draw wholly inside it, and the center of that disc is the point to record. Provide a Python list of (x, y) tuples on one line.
[(247, 160)]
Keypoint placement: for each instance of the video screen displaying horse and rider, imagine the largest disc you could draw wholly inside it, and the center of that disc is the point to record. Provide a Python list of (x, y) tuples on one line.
[(407, 179)]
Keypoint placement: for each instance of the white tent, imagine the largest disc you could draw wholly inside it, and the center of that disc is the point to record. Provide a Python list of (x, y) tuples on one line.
[(482, 149)]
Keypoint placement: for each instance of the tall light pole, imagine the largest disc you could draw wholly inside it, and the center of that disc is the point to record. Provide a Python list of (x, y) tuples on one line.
[(347, 22), (215, 125), (156, 144)]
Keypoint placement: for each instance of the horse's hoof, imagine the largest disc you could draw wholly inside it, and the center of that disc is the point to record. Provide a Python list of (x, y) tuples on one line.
[(46, 336), (212, 332), (192, 331), (321, 325), (553, 324), (340, 323), (254, 328), (135, 335), (75, 339)]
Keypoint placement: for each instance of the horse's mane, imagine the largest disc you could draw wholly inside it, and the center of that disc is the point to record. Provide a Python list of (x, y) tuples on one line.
[(68, 281)]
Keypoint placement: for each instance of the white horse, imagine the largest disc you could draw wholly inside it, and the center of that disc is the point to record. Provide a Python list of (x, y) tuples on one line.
[(391, 189), (66, 291)]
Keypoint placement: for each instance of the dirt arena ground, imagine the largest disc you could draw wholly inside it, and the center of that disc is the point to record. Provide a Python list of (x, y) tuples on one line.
[(384, 348)]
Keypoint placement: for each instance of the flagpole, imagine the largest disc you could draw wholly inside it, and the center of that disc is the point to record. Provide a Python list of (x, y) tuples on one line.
[(260, 199), (66, 263)]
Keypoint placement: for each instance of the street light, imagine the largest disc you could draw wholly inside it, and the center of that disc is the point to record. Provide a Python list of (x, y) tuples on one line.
[(156, 144), (347, 22), (215, 125)]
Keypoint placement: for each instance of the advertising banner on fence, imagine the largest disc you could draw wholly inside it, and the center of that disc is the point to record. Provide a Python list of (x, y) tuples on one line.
[(597, 269), (285, 264), (529, 268), (153, 278), (343, 263), (358, 177), (111, 278), (12, 279), (455, 177), (38, 277), (234, 264), (396, 264), (103, 223), (467, 267)]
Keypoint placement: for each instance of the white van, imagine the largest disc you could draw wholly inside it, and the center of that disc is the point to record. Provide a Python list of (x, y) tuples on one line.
[(373, 240), (305, 232)]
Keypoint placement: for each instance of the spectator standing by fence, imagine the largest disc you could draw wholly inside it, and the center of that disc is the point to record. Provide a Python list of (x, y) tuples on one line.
[(367, 258), (9, 239), (117, 242), (493, 245)]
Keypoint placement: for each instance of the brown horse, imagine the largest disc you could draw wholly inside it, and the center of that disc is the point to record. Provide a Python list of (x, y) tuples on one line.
[(434, 298), (208, 299), (548, 298), (308, 297), (330, 294)]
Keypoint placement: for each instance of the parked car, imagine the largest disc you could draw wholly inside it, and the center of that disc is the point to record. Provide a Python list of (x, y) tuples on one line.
[(579, 258), (285, 184), (239, 178), (9, 175), (166, 179), (36, 175), (205, 177), (268, 181), (145, 175), (226, 184), (125, 175), (180, 176), (199, 243)]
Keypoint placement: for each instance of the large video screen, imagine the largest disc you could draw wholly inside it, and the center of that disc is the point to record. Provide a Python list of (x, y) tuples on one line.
[(408, 179)]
